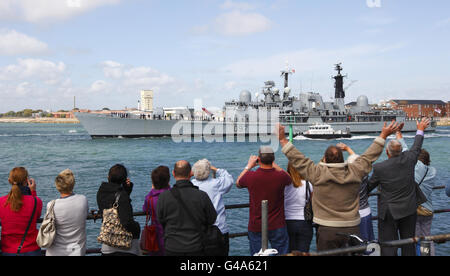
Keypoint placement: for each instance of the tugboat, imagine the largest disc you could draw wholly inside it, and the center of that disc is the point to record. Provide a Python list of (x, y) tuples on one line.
[(324, 131)]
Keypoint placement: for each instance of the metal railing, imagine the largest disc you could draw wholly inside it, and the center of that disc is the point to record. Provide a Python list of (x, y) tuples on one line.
[(95, 216)]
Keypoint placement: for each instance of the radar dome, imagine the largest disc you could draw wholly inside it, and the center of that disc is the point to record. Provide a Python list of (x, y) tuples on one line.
[(362, 101), (245, 97)]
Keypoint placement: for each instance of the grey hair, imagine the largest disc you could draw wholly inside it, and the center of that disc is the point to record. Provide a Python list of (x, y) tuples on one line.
[(202, 169), (394, 148)]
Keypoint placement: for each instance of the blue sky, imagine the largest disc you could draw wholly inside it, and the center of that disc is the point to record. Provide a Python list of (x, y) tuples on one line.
[(105, 51)]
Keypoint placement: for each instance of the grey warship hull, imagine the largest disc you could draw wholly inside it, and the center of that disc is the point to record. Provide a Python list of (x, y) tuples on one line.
[(104, 126)]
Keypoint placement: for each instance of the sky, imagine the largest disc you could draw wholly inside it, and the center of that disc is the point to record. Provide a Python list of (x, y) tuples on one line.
[(103, 52)]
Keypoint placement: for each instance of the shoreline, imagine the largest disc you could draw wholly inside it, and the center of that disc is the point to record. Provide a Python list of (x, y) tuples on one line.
[(39, 120)]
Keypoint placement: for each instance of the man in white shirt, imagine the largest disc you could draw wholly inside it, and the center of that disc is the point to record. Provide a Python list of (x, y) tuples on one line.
[(216, 187)]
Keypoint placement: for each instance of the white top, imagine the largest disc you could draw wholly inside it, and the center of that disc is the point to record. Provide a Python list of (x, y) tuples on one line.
[(71, 214), (216, 188), (294, 201)]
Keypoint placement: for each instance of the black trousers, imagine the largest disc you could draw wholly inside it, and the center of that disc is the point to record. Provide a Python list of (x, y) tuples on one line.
[(226, 240), (390, 229)]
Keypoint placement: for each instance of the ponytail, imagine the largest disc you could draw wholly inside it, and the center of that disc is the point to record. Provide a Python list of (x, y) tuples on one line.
[(14, 200), (18, 176), (295, 176)]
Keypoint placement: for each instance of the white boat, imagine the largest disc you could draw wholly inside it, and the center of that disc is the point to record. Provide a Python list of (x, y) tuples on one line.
[(325, 131)]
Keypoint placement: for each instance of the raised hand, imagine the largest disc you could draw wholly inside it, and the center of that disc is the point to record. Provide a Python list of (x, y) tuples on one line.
[(252, 162), (389, 129), (424, 124), (281, 134), (342, 146), (32, 184), (398, 133)]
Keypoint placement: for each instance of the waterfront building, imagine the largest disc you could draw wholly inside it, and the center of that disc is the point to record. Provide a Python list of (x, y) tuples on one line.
[(421, 108), (146, 103)]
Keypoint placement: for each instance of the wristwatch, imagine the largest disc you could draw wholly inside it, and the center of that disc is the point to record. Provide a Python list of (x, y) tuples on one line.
[(247, 168)]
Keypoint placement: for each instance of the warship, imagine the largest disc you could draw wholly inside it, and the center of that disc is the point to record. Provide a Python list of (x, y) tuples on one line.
[(249, 117)]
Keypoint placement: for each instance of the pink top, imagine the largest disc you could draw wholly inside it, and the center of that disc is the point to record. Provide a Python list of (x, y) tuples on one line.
[(14, 225)]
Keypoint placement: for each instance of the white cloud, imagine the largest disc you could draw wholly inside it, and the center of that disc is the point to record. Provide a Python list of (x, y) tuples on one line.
[(14, 43), (135, 76), (237, 23), (233, 5), (112, 69), (34, 69), (99, 86), (48, 10)]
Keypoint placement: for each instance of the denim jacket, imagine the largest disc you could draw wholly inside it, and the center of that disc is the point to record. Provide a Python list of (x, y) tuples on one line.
[(424, 178)]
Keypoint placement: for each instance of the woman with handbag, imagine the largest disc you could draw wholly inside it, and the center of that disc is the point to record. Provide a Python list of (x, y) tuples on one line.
[(113, 199), (152, 243), (296, 199), (69, 212), (19, 211)]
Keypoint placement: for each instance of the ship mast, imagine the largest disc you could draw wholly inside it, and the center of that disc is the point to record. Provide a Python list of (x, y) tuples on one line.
[(339, 82), (285, 74)]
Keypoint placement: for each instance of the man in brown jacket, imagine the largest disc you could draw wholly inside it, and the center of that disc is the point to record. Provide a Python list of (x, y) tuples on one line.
[(336, 187)]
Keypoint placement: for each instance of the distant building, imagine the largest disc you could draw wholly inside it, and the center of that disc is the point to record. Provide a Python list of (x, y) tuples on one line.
[(146, 103), (448, 109), (63, 115), (421, 108)]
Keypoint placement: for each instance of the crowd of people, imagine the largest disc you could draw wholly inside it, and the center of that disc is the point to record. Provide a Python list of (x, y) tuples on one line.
[(334, 191)]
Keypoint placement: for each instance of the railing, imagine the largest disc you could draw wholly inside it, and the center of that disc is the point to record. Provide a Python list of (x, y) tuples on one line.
[(95, 216)]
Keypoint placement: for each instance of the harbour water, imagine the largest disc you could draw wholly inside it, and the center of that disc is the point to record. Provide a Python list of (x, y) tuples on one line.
[(45, 150)]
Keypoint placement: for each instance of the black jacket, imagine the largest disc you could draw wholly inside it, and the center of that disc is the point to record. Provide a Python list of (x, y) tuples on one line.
[(396, 182), (106, 198), (181, 234)]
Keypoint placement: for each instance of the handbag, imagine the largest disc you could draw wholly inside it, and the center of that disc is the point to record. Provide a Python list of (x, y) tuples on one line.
[(28, 227), (149, 235), (47, 232), (308, 211), (112, 232), (212, 239)]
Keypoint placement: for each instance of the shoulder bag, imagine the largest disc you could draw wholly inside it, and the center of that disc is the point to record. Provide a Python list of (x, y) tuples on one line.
[(28, 226), (212, 240), (308, 211), (112, 232), (47, 232), (149, 235)]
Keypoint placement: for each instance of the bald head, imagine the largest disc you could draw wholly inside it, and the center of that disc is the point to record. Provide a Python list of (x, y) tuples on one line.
[(394, 148), (182, 170)]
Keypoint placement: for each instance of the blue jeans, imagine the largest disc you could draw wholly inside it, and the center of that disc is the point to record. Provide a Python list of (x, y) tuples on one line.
[(300, 235), (278, 239), (366, 228)]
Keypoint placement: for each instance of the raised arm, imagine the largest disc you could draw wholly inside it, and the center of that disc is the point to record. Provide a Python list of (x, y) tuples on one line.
[(365, 161), (301, 163), (252, 162), (414, 152), (225, 179)]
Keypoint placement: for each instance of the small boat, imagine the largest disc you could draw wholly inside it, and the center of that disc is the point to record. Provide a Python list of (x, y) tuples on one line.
[(324, 131)]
